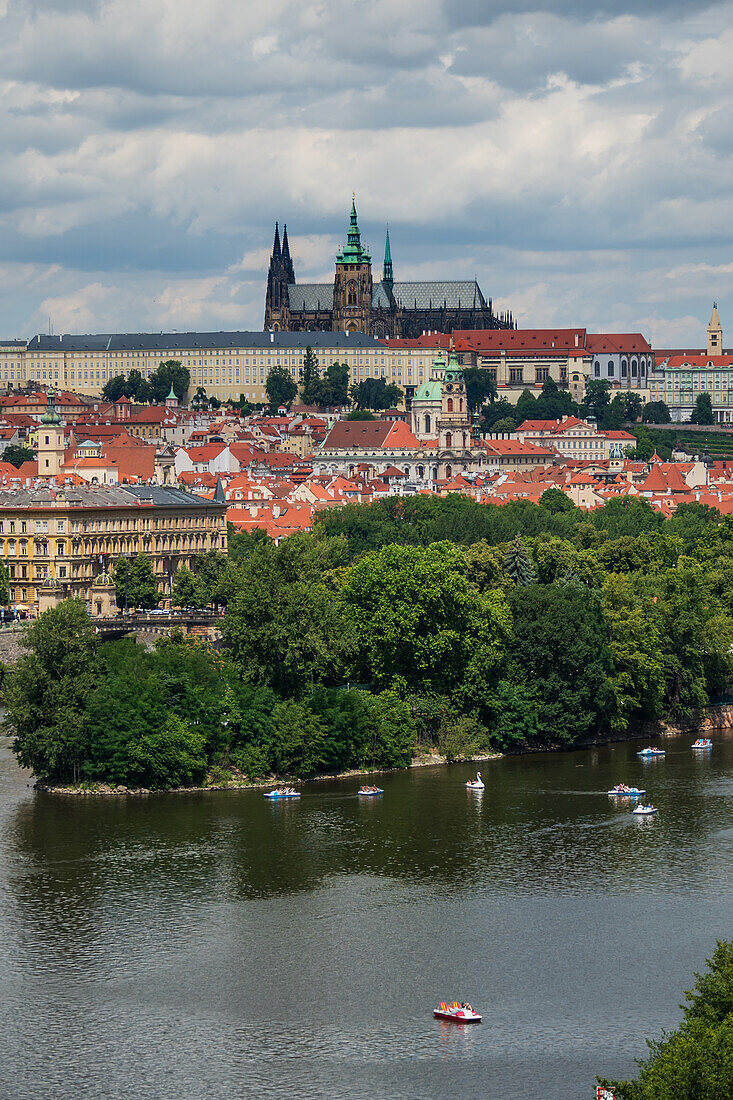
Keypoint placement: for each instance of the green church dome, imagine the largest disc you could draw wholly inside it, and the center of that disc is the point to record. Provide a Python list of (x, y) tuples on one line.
[(429, 391)]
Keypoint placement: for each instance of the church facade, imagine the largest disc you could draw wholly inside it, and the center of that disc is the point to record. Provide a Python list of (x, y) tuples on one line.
[(355, 302)]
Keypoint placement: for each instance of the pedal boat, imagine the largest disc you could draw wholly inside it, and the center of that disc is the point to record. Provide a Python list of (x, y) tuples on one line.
[(651, 752), (702, 743), (456, 1013), (369, 792), (626, 792), (476, 784), (286, 792), (645, 811)]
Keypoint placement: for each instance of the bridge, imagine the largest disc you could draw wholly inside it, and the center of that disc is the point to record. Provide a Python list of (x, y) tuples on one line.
[(202, 624)]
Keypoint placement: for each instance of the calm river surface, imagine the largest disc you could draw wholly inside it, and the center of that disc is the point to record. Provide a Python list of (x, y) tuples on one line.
[(215, 945)]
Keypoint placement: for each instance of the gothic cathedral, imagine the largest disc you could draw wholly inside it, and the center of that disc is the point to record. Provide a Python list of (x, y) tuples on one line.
[(355, 303)]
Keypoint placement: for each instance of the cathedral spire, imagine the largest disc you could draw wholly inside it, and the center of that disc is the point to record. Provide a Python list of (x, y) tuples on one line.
[(387, 273), (354, 252), (276, 243), (290, 270)]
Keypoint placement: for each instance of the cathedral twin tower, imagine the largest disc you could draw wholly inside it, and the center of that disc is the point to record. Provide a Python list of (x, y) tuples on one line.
[(355, 303)]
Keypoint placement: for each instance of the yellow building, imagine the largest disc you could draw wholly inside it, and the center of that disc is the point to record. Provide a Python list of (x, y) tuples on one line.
[(225, 364), (75, 533)]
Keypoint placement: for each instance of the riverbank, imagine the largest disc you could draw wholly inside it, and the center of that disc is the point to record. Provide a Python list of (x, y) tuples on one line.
[(236, 781)]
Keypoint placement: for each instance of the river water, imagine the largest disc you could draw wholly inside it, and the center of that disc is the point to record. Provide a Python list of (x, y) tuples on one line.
[(216, 945)]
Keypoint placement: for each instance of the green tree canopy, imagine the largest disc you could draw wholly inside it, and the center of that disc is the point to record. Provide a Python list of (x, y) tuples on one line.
[(46, 694), (280, 388), (135, 583), (418, 620), (656, 412), (703, 410), (694, 1062), (480, 385), (374, 393), (17, 455)]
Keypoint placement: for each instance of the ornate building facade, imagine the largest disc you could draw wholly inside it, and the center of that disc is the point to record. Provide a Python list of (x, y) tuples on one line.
[(354, 302)]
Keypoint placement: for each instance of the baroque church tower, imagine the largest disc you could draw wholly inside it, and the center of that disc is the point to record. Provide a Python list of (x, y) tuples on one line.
[(280, 276)]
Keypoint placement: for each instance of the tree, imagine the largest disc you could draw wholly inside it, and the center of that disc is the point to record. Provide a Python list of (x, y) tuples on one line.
[(4, 588), (46, 694), (597, 399), (419, 621), (506, 425), (518, 564), (199, 399), (555, 501), (165, 756), (694, 1062), (280, 388), (309, 377), (703, 410), (17, 455), (480, 385), (135, 583), (554, 403), (114, 389), (361, 414), (337, 377), (526, 407), (283, 625), (656, 412), (374, 393), (560, 654), (499, 410), (170, 375), (185, 589)]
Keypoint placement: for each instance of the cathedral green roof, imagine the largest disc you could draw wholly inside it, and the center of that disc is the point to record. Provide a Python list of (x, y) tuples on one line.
[(354, 251)]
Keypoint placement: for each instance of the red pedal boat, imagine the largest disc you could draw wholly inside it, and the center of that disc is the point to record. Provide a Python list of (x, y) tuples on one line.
[(458, 1013)]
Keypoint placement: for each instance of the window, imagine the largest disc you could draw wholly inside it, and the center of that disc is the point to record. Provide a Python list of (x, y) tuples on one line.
[(611, 369), (542, 374), (624, 368), (516, 374), (597, 369)]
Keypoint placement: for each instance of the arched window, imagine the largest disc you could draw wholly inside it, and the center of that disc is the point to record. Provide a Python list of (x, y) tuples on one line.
[(597, 369), (642, 367), (624, 368), (465, 441), (611, 369), (448, 439), (633, 368), (449, 405), (351, 294), (421, 471), (427, 422), (449, 471), (460, 405)]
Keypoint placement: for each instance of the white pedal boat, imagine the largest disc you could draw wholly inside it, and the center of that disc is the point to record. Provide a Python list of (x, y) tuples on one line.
[(476, 784), (645, 811), (702, 743), (457, 1013), (287, 792), (369, 792), (651, 752), (626, 792)]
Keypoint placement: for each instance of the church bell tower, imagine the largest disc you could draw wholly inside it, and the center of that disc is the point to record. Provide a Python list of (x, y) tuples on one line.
[(352, 286)]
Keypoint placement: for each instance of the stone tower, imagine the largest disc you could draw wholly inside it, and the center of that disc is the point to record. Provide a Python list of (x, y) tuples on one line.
[(280, 276), (352, 286), (454, 429), (50, 440), (715, 333)]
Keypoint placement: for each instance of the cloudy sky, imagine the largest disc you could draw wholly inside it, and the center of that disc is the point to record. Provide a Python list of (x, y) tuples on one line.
[(578, 159)]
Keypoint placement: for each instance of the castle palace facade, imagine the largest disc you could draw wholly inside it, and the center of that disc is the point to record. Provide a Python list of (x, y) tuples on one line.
[(354, 302)]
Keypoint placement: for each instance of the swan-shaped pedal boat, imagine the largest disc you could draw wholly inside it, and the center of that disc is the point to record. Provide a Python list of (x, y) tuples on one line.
[(457, 1013), (476, 784), (283, 792)]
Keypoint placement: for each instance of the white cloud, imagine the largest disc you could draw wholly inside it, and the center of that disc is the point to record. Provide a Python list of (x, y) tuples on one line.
[(576, 161)]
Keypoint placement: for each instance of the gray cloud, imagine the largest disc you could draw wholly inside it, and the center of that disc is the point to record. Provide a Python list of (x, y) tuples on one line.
[(569, 154)]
